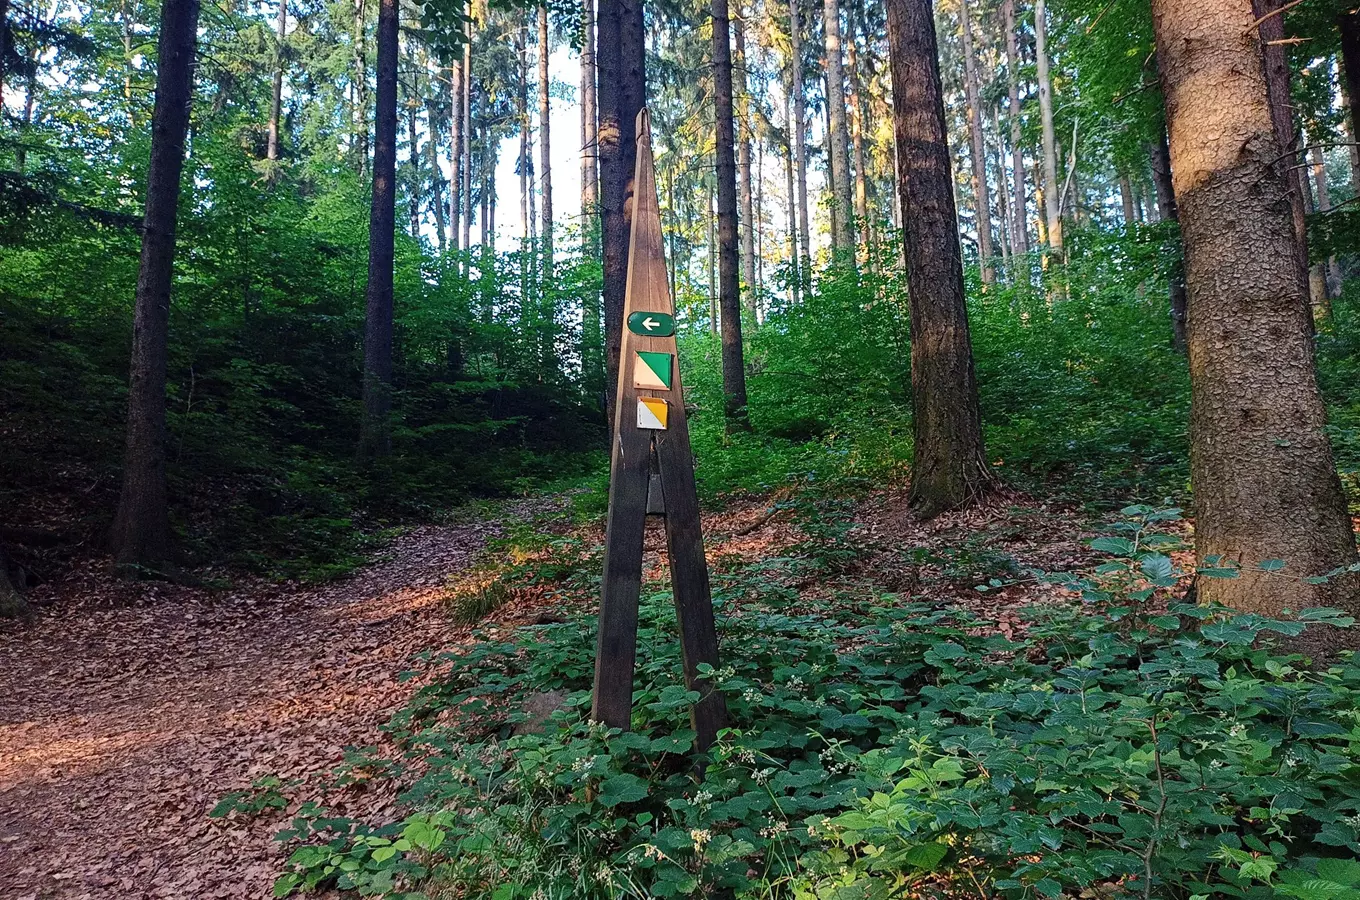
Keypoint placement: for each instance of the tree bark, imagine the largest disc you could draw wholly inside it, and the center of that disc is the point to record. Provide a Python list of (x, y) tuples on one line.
[(140, 537), (456, 155), (1349, 26), (981, 200), (857, 142), (1007, 225), (1324, 204), (1159, 155), (1019, 210), (729, 287), (276, 99), (467, 133), (1052, 190), (1265, 486), (590, 190), (544, 153), (361, 85), (622, 81), (436, 177), (799, 131), (413, 133), (949, 467), (795, 251), (842, 236), (742, 106), (1126, 199), (375, 436)]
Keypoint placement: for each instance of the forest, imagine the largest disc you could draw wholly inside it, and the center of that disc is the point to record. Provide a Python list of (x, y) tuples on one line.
[(1020, 351)]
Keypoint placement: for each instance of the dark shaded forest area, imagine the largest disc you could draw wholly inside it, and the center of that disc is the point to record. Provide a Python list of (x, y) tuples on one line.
[(1020, 343)]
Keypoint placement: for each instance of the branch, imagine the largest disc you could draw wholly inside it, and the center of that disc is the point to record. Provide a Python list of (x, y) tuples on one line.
[(1274, 12)]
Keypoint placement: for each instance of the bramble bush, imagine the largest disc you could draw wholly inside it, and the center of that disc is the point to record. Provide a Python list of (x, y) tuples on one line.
[(880, 746)]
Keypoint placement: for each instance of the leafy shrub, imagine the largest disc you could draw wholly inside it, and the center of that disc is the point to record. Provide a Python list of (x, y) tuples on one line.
[(1115, 745)]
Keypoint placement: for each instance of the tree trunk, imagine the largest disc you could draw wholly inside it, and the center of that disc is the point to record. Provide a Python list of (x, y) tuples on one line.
[(795, 250), (799, 131), (1265, 486), (742, 105), (1019, 211), (417, 176), (981, 201), (1052, 190), (842, 237), (140, 537), (436, 177), (857, 142), (456, 154), (1276, 63), (1007, 226), (590, 190), (375, 437), (729, 287), (949, 467), (1324, 204), (1159, 155), (1126, 199), (622, 81), (544, 154), (1349, 25), (467, 133), (276, 100), (361, 85)]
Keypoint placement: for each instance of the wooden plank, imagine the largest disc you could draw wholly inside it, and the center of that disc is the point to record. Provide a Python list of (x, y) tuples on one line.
[(648, 291)]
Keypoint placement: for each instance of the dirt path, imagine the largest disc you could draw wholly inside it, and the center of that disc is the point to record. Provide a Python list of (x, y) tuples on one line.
[(121, 727)]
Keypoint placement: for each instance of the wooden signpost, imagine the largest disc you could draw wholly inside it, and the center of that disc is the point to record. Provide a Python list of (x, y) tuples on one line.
[(652, 472)]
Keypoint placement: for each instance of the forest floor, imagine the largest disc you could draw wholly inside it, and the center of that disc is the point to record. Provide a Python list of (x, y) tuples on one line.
[(128, 711)]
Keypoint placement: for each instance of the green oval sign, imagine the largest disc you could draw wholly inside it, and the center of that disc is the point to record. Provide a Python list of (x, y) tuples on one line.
[(652, 324)]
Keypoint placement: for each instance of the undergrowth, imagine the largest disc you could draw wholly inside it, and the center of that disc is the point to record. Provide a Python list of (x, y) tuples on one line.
[(1123, 745)]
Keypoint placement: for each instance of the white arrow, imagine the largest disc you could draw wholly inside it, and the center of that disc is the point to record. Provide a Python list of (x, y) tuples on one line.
[(649, 323)]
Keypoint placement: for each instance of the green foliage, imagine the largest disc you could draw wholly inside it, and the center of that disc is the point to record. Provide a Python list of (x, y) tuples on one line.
[(879, 746), (263, 795)]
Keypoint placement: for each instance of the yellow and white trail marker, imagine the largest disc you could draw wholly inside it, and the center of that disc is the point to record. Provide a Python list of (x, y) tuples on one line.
[(652, 413)]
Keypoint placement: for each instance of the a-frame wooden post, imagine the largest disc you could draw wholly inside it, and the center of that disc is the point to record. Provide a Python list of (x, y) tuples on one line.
[(652, 470)]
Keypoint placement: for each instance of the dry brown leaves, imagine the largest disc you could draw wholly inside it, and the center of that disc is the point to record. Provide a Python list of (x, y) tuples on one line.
[(128, 711)]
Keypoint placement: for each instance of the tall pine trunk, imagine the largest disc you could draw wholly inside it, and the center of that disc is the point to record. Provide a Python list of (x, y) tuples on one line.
[(1265, 486), (949, 468), (1324, 203), (544, 144), (360, 79), (1159, 155), (276, 98), (729, 287), (621, 62), (981, 200), (1052, 190), (1019, 209), (799, 131), (466, 151), (375, 436), (590, 196), (140, 537), (436, 177), (742, 105), (1349, 26), (857, 141), (842, 236), (456, 155), (795, 251)]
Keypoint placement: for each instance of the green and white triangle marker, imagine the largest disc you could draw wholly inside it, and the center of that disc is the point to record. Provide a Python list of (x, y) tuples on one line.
[(653, 370)]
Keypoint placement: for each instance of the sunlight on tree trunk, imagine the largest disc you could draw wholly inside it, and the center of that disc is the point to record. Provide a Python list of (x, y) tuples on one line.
[(1265, 486), (949, 467), (729, 292)]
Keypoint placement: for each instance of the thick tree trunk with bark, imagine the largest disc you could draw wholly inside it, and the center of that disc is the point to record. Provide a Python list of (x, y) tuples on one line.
[(982, 204), (799, 130), (1265, 486), (140, 537), (838, 146), (949, 468), (1019, 210), (375, 436), (1159, 156), (622, 70), (1052, 190), (729, 288), (276, 99)]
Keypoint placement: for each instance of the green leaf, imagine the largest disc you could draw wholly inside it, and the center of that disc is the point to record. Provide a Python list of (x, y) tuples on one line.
[(622, 789), (1157, 565), (926, 856), (1114, 545)]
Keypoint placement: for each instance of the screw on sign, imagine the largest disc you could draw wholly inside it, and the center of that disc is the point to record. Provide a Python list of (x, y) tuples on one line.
[(652, 469)]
